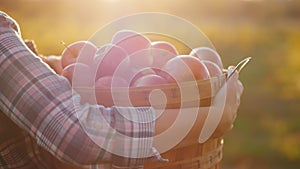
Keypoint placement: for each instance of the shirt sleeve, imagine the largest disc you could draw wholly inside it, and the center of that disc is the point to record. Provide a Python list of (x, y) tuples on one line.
[(44, 105)]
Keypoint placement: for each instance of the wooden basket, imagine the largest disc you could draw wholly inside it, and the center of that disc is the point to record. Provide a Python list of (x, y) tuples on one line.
[(207, 155), (140, 96), (172, 99)]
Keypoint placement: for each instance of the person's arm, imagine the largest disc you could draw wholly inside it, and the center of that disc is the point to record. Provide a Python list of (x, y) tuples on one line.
[(43, 104)]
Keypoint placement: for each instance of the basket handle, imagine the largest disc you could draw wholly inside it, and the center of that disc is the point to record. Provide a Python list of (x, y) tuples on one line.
[(239, 66)]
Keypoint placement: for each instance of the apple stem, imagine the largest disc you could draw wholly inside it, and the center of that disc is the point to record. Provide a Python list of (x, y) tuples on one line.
[(64, 44)]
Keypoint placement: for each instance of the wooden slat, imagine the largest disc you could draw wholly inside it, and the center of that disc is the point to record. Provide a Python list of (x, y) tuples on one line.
[(207, 155)]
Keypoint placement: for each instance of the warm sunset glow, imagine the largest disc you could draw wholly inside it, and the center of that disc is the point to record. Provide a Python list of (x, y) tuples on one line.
[(266, 132)]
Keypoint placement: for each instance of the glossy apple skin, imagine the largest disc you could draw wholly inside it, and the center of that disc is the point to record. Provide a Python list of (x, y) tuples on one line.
[(213, 69), (79, 51), (152, 57), (111, 82), (131, 41), (107, 59), (54, 62), (163, 45), (150, 71), (186, 68), (206, 53), (149, 80), (80, 77), (162, 51), (133, 64), (78, 74)]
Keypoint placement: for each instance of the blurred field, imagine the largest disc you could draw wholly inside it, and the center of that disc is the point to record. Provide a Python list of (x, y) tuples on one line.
[(267, 131)]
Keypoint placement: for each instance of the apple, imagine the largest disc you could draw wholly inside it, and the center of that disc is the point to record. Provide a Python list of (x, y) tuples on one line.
[(78, 74), (162, 51), (79, 51), (164, 45), (133, 64), (107, 59), (164, 74), (122, 34), (131, 41), (152, 57), (54, 62), (110, 82), (140, 59), (213, 69), (141, 73), (149, 80), (185, 68), (206, 53), (149, 71)]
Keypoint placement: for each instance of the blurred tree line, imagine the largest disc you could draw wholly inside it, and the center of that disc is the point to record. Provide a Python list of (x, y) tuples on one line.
[(267, 130)]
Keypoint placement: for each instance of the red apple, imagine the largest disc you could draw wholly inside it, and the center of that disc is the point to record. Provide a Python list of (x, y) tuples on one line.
[(149, 80), (149, 71), (162, 51), (122, 34), (140, 59), (206, 53), (78, 74), (81, 77), (108, 83), (131, 41), (54, 62), (164, 74), (164, 45), (79, 51), (111, 82), (133, 64), (213, 69), (141, 73), (185, 68), (107, 59)]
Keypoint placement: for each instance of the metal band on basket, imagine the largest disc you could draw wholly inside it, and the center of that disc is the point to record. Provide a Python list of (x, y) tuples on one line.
[(210, 159), (201, 162)]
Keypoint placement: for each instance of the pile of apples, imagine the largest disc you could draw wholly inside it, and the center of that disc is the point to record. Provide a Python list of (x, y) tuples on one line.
[(132, 60)]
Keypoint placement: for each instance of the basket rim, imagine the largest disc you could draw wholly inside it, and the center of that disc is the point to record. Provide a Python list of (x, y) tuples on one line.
[(217, 79)]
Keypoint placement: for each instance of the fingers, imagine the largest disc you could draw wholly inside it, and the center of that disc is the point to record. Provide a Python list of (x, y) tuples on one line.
[(234, 85), (235, 89), (230, 69), (235, 75)]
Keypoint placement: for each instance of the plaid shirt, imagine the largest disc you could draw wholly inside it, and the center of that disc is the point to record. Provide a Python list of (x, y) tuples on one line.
[(43, 124)]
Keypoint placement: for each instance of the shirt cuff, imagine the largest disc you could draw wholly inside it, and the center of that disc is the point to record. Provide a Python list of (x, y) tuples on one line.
[(134, 135)]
